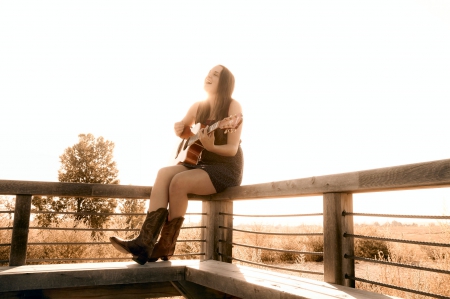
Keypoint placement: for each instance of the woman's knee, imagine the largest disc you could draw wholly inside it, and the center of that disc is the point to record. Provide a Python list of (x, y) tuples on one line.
[(165, 173), (178, 185)]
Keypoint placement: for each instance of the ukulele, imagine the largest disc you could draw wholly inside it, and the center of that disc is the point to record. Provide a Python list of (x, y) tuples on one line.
[(191, 148)]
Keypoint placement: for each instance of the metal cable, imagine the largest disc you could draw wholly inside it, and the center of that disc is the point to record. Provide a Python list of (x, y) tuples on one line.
[(101, 214), (272, 267), (100, 229), (278, 234), (93, 259), (89, 243), (344, 213), (287, 215), (397, 240), (396, 287), (272, 249), (396, 264)]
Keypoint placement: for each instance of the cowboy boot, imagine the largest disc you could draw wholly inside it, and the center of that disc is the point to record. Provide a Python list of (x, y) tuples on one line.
[(165, 247), (142, 246)]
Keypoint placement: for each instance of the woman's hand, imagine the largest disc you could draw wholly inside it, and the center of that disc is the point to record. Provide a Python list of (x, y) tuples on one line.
[(178, 128), (207, 140)]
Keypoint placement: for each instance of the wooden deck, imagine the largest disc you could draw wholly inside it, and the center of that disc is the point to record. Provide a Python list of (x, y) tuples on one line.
[(189, 278)]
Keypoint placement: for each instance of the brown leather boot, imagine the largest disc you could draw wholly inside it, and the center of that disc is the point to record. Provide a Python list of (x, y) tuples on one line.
[(142, 246), (165, 247)]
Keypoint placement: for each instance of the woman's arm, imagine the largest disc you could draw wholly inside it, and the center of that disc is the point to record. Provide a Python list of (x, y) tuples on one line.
[(187, 121), (233, 139)]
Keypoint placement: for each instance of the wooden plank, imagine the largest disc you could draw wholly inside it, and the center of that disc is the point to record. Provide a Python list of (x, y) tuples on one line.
[(246, 282), (190, 290), (226, 235), (10, 187), (35, 277), (434, 174), (335, 245), (208, 247), (19, 238), (123, 291), (212, 234)]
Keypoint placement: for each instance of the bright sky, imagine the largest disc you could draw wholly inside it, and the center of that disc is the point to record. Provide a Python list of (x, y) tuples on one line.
[(326, 86)]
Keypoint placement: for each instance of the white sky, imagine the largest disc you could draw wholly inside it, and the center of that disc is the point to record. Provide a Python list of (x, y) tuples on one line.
[(326, 86)]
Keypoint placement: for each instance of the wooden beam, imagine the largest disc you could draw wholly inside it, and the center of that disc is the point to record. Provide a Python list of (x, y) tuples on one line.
[(435, 174), (247, 282), (123, 291), (213, 233), (9, 187), (38, 277), (190, 290), (334, 243), (19, 238)]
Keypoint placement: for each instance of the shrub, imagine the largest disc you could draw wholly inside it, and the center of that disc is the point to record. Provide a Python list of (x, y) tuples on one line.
[(370, 248)]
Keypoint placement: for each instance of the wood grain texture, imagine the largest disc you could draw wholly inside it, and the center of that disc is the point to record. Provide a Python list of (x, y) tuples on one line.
[(130, 280), (38, 277), (212, 234), (19, 238), (9, 187), (335, 245), (122, 291), (432, 174), (252, 283), (190, 290)]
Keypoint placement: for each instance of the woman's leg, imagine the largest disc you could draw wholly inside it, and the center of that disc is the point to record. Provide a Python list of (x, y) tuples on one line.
[(194, 181), (160, 190)]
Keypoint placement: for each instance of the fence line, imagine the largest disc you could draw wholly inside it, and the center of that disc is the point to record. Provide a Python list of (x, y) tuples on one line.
[(344, 213), (357, 258), (396, 287), (268, 233), (273, 267), (273, 249), (397, 240), (336, 191), (272, 216)]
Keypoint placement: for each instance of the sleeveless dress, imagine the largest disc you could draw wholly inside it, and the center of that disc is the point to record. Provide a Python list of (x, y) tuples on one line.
[(224, 171)]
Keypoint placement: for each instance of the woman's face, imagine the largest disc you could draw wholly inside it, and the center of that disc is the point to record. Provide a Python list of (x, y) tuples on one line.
[(212, 79)]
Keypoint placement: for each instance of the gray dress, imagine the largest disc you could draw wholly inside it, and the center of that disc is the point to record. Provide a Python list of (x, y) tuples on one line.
[(224, 171)]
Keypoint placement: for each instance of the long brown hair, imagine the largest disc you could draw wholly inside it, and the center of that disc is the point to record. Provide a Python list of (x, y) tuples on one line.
[(225, 89)]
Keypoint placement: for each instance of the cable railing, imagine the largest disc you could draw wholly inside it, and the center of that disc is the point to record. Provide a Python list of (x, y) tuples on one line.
[(396, 264), (92, 243), (295, 253), (219, 235)]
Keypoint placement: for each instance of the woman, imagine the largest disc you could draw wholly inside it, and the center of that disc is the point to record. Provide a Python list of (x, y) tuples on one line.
[(220, 166)]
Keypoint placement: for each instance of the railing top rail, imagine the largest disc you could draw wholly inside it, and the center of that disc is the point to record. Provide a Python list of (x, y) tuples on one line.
[(432, 174), (10, 187)]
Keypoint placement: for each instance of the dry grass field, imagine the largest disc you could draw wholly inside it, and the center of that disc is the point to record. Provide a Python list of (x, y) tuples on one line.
[(424, 256), (417, 255)]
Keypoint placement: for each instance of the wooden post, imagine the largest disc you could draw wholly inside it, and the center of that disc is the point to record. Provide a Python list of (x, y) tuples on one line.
[(335, 245), (21, 224), (212, 234)]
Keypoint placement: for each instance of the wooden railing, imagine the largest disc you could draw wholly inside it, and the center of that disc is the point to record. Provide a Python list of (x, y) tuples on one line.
[(336, 190)]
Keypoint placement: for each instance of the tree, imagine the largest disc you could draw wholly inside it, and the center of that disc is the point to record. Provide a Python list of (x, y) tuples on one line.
[(88, 161), (132, 206), (7, 203)]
